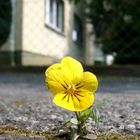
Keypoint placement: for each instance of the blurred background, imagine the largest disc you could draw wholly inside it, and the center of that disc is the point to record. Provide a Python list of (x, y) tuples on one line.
[(40, 32), (104, 35)]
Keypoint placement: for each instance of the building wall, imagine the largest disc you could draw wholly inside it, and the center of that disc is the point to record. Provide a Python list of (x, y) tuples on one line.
[(34, 42), (39, 42), (5, 54)]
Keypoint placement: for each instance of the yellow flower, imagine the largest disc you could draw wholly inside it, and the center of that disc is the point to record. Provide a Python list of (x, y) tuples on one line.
[(72, 87)]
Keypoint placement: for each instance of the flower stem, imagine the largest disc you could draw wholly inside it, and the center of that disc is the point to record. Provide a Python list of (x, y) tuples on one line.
[(79, 125)]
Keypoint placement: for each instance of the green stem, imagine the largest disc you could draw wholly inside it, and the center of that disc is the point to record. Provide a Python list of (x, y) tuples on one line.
[(77, 115), (79, 126)]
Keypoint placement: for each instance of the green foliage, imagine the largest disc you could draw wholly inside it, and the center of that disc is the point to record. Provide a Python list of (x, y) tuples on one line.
[(89, 113), (5, 20), (74, 121), (117, 27), (14, 131), (95, 115), (76, 1), (84, 115)]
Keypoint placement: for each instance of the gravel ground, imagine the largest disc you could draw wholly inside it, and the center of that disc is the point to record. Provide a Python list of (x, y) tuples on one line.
[(25, 102)]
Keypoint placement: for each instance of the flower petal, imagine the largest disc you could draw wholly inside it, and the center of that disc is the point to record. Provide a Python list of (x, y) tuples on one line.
[(71, 67), (55, 87), (55, 79), (89, 82), (52, 68), (77, 102)]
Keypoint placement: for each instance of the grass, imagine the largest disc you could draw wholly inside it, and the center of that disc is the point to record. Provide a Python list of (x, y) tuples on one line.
[(19, 132)]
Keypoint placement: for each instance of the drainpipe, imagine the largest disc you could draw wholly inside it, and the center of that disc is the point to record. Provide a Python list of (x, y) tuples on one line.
[(89, 37), (12, 33), (89, 42)]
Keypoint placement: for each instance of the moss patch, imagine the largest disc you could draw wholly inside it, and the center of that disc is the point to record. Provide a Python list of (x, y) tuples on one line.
[(118, 136), (16, 131)]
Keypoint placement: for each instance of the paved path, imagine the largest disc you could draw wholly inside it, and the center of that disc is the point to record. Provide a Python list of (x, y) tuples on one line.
[(22, 85), (18, 86), (24, 101)]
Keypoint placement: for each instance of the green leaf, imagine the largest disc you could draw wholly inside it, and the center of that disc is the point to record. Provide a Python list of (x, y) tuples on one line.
[(84, 115), (95, 115), (76, 1), (74, 121)]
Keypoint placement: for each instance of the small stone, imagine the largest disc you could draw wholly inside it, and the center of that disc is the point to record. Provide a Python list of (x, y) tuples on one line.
[(114, 130), (109, 113), (91, 137), (121, 127), (73, 127), (90, 129), (138, 126), (60, 119), (110, 127), (138, 118), (44, 129), (127, 121), (24, 119), (131, 128), (53, 116)]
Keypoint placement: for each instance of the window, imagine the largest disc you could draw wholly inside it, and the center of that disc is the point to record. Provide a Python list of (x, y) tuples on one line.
[(77, 31), (55, 14)]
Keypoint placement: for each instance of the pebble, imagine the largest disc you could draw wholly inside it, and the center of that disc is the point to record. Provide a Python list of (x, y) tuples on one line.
[(91, 137), (121, 127), (138, 118), (138, 126), (130, 128)]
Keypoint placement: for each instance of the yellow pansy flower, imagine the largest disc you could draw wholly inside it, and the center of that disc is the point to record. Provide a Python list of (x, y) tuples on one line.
[(72, 87)]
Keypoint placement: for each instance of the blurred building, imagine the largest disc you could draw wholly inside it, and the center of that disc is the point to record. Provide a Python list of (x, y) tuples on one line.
[(44, 31)]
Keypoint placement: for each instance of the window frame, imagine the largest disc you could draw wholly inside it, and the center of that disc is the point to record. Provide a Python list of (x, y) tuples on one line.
[(77, 32), (54, 15)]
